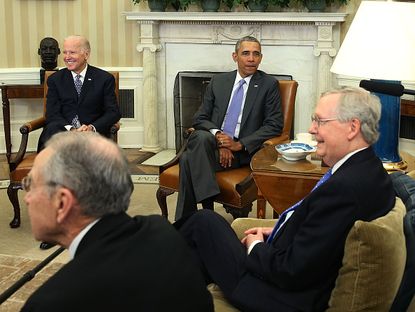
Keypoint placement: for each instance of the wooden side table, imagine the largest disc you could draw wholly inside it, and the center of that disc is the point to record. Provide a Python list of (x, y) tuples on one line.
[(282, 183)]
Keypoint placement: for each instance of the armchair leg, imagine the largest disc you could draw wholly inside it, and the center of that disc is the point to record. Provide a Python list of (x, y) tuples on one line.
[(12, 193), (238, 212), (161, 195)]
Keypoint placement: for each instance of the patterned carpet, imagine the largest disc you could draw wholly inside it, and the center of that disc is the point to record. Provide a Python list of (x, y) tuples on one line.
[(12, 268)]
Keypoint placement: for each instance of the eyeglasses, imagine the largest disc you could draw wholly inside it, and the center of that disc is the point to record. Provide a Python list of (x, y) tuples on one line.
[(321, 121), (27, 182)]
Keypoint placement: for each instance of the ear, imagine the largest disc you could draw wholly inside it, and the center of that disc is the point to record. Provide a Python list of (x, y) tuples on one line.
[(234, 56), (66, 203), (354, 128)]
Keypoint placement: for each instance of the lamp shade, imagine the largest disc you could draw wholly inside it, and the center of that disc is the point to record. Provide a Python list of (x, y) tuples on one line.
[(380, 43)]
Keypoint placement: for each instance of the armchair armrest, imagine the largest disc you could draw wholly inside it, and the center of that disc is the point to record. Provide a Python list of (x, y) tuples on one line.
[(25, 130), (175, 160), (283, 138)]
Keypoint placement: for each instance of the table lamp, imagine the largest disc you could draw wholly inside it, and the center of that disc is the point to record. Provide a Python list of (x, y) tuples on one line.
[(380, 46)]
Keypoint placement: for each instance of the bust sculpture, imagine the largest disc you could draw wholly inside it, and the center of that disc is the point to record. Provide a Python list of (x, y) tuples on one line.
[(48, 51)]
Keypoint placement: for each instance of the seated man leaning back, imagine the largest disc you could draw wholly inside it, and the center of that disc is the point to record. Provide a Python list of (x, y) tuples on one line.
[(294, 266), (77, 194), (241, 109)]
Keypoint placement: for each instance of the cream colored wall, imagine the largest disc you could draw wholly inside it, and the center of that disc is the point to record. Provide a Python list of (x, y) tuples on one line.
[(23, 23)]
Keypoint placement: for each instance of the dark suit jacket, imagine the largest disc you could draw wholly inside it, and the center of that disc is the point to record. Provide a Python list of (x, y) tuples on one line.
[(261, 117), (96, 105), (126, 264), (300, 267)]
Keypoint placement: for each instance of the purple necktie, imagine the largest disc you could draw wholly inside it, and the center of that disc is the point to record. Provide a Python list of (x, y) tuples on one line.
[(283, 216), (231, 119)]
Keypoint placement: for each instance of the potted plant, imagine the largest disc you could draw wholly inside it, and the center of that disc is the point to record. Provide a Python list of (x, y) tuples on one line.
[(320, 5)]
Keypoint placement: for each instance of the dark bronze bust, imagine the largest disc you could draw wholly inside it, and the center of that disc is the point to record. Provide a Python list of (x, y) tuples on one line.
[(48, 51)]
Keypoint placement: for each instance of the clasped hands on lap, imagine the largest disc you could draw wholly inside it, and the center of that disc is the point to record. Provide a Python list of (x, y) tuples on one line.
[(227, 145), (256, 234), (83, 128)]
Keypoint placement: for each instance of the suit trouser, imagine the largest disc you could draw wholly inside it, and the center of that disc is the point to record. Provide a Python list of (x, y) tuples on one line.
[(197, 178), (221, 256)]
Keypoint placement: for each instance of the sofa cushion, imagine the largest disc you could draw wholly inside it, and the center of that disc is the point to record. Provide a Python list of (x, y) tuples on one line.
[(373, 264)]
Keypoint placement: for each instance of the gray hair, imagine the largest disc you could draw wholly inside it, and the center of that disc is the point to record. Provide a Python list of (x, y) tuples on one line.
[(84, 43), (360, 104), (93, 168), (246, 38)]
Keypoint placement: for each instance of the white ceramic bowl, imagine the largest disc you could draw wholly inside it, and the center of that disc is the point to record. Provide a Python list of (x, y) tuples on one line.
[(295, 151)]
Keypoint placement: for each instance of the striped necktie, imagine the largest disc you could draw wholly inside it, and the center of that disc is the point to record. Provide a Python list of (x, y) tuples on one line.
[(283, 217)]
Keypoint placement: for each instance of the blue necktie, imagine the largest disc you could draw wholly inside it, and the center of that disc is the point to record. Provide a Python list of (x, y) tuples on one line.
[(78, 84), (283, 216), (234, 110)]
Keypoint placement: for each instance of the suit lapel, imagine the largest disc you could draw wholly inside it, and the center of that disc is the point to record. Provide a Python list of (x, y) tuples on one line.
[(69, 81), (251, 95), (87, 84)]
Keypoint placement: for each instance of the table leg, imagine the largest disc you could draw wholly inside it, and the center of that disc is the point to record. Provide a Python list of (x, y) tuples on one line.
[(261, 205)]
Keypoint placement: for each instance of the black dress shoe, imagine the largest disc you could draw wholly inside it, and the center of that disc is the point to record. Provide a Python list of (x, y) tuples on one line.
[(45, 245)]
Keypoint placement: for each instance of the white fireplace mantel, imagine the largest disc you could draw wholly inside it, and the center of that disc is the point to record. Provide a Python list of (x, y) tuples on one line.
[(297, 43)]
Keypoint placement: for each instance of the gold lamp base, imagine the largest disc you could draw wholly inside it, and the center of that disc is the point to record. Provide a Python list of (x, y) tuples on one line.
[(395, 166)]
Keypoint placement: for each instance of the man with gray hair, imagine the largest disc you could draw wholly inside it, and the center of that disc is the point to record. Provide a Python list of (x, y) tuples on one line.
[(294, 266), (78, 192)]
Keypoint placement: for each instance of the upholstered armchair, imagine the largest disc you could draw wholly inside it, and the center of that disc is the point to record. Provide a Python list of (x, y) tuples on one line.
[(373, 264), (237, 187), (22, 162)]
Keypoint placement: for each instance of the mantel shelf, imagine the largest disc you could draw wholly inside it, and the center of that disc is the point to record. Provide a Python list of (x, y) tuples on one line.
[(242, 17)]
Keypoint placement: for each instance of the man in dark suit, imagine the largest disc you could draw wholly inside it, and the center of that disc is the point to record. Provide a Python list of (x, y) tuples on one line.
[(80, 97), (77, 193), (293, 267), (225, 138)]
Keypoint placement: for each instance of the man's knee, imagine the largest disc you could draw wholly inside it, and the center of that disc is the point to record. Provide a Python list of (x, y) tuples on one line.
[(202, 136)]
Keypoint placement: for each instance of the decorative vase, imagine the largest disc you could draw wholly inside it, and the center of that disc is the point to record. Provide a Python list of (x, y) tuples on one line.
[(315, 5), (257, 5), (210, 5), (157, 5)]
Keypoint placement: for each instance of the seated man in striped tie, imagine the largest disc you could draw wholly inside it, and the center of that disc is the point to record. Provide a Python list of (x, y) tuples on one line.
[(293, 267), (80, 97), (241, 110)]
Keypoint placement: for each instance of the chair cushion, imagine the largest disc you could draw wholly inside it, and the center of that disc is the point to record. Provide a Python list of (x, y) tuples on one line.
[(227, 181), (219, 301), (170, 178), (23, 168), (373, 264)]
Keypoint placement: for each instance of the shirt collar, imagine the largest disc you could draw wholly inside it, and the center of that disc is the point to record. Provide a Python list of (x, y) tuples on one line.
[(239, 78), (77, 240), (343, 160), (82, 73)]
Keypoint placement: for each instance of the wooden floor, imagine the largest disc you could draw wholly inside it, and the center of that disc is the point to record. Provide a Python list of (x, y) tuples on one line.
[(134, 155)]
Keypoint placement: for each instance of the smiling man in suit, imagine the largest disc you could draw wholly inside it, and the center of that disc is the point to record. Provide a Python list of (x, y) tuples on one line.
[(80, 97), (241, 109), (294, 266)]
